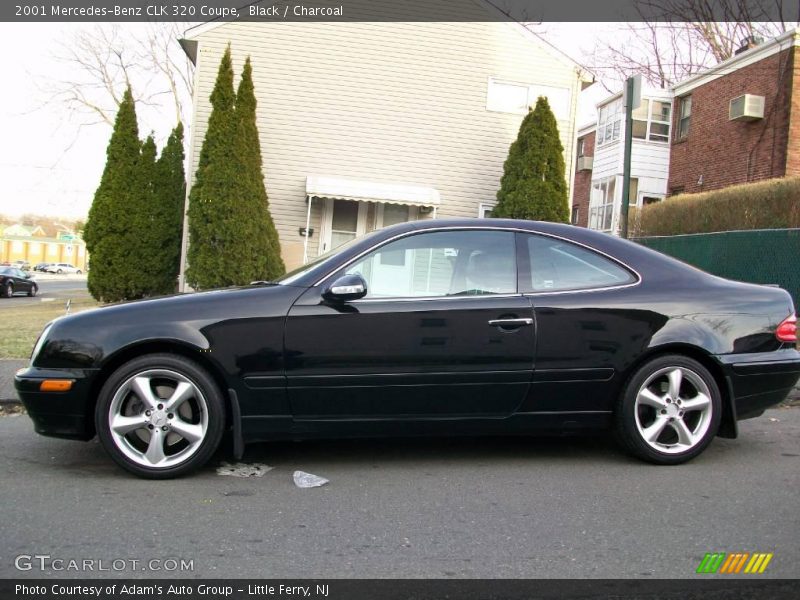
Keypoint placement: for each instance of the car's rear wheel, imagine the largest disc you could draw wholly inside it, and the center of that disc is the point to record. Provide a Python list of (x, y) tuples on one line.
[(33, 291), (8, 290), (59, 271), (78, 272), (160, 416), (669, 411)]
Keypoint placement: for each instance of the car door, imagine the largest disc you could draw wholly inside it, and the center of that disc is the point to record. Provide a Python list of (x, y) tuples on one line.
[(451, 337), (22, 282)]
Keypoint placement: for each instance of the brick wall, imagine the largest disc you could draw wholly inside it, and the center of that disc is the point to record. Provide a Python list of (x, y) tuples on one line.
[(725, 152), (582, 185)]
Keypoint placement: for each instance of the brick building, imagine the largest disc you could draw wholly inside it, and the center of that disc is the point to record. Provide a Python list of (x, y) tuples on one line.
[(738, 121), (582, 185)]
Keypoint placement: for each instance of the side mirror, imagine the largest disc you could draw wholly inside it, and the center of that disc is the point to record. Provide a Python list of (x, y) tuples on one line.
[(346, 288)]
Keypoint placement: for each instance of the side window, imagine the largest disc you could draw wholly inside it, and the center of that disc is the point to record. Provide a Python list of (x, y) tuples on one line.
[(441, 263), (559, 265)]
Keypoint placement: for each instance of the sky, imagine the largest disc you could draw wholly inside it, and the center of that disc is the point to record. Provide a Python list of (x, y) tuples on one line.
[(50, 163)]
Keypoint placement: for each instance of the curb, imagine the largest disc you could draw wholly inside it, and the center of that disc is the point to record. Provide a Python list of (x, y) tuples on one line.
[(10, 402)]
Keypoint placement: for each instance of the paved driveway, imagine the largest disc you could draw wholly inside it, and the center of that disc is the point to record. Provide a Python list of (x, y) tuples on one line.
[(477, 507)]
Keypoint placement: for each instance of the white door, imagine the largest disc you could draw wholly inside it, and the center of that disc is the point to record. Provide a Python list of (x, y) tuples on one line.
[(343, 220)]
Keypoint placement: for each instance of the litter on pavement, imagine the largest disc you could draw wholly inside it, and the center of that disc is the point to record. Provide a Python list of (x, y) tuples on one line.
[(243, 469), (307, 480)]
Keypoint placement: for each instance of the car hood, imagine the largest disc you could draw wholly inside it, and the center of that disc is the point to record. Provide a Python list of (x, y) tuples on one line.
[(87, 338)]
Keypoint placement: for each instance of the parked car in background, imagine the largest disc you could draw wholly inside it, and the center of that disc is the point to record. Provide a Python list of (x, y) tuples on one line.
[(62, 268), (15, 281), (479, 326), (42, 267), (22, 265)]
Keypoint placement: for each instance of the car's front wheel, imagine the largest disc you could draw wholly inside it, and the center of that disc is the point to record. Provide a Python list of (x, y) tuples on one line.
[(33, 291), (669, 410), (160, 416), (8, 290)]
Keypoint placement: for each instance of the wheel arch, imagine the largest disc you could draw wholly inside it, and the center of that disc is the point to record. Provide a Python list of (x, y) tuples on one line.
[(727, 426), (135, 350)]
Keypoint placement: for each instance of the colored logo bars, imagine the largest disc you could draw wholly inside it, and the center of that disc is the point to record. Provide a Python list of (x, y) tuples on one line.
[(735, 562)]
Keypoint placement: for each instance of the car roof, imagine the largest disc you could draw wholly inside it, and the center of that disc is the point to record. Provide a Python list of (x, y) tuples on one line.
[(633, 255)]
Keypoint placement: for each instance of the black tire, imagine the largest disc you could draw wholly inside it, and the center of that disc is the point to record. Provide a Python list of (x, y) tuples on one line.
[(33, 291), (78, 272), (193, 372), (630, 419), (59, 272), (8, 290)]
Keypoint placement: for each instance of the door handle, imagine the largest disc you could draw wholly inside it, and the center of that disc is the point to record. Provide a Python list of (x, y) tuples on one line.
[(510, 323)]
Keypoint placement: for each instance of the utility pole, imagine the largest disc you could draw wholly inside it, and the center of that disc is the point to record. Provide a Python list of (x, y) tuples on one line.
[(632, 99)]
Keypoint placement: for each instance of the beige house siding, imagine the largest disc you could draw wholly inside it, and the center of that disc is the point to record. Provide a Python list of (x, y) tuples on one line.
[(382, 102)]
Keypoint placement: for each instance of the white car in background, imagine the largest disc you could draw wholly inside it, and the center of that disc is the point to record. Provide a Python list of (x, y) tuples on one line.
[(62, 268)]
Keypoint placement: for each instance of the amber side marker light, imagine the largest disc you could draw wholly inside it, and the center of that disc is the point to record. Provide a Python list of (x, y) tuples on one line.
[(56, 385), (787, 331)]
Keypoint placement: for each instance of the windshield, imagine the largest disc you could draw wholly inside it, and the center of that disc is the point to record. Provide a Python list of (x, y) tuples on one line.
[(297, 273)]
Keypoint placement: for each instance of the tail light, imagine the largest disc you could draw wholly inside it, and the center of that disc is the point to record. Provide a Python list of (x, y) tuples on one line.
[(787, 331)]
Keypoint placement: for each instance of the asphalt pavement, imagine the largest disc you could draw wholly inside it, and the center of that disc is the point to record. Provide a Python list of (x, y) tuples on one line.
[(443, 508)]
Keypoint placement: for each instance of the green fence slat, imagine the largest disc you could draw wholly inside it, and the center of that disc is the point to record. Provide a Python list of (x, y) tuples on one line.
[(757, 256)]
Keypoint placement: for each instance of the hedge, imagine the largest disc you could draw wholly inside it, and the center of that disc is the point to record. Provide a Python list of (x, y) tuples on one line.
[(771, 204)]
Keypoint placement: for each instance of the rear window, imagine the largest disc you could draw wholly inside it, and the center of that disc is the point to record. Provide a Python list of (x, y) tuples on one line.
[(558, 265)]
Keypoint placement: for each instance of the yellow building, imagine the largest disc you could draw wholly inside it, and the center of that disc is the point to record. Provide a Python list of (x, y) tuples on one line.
[(32, 245)]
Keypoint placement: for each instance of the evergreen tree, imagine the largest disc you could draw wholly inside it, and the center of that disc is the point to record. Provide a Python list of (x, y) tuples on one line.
[(141, 236), (168, 195), (533, 185), (211, 198), (263, 261), (107, 226), (232, 239)]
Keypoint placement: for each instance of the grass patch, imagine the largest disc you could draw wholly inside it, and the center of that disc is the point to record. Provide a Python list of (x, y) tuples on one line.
[(24, 323)]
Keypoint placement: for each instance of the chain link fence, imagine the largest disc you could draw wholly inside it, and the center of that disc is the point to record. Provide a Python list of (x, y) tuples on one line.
[(755, 256)]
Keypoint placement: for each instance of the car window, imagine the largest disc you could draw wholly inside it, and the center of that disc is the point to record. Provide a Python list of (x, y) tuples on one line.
[(441, 263), (559, 265)]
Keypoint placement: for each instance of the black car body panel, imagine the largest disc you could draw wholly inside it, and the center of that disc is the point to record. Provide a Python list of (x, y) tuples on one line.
[(303, 366)]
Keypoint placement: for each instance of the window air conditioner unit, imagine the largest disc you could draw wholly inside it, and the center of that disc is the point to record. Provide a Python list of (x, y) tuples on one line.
[(585, 163), (746, 108)]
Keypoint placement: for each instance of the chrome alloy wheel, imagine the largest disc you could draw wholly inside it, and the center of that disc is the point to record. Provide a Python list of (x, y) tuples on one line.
[(158, 418), (673, 410)]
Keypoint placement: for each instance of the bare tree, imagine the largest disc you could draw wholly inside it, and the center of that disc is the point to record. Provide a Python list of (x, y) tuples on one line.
[(101, 62), (674, 39)]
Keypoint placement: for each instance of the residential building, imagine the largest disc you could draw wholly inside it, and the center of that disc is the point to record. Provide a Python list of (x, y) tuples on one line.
[(367, 124), (738, 121), (600, 148)]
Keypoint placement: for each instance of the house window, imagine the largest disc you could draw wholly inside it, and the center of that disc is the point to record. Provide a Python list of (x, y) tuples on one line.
[(581, 147), (516, 97), (684, 117), (609, 118), (674, 191), (601, 204), (576, 212), (485, 210), (633, 192), (651, 120), (648, 200)]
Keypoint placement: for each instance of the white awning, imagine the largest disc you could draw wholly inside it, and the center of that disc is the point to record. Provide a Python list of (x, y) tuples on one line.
[(368, 191)]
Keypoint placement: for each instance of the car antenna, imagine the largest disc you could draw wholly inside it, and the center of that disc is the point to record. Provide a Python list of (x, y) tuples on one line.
[(69, 304)]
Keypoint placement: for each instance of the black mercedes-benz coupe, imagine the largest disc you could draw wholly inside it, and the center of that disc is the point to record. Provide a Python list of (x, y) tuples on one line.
[(430, 327)]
